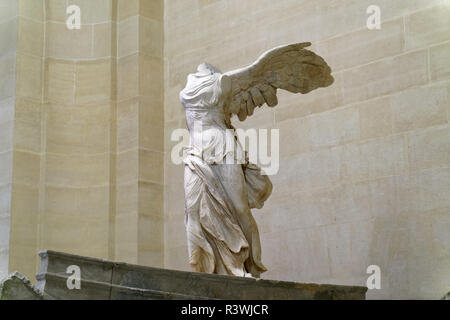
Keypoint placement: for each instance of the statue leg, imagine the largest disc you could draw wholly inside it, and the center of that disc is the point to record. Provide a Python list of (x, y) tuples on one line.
[(216, 243), (233, 181)]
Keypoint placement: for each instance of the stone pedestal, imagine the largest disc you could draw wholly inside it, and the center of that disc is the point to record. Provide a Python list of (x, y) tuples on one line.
[(101, 279), (106, 280), (17, 287)]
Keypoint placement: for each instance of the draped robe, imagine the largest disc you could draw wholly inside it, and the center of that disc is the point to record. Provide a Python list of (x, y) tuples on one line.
[(220, 185)]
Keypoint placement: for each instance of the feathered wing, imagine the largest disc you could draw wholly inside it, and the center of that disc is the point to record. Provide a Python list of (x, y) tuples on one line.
[(289, 67)]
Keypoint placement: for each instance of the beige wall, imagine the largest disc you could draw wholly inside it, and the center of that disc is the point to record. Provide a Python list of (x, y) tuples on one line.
[(88, 156), (8, 51), (140, 133), (28, 157), (364, 173)]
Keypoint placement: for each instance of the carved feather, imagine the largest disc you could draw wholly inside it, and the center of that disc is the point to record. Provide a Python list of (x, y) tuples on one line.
[(289, 67)]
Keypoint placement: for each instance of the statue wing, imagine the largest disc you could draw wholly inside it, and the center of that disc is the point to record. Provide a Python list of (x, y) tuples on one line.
[(288, 67)]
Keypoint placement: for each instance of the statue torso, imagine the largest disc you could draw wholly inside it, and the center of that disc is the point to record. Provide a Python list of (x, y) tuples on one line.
[(211, 138)]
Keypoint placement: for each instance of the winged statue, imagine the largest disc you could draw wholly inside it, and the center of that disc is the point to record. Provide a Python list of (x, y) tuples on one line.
[(221, 185)]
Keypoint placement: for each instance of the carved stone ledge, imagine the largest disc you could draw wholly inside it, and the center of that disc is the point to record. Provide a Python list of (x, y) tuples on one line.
[(17, 287), (102, 279)]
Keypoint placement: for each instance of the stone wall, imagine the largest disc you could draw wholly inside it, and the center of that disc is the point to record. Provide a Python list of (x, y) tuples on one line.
[(364, 173), (88, 117), (8, 51), (140, 131)]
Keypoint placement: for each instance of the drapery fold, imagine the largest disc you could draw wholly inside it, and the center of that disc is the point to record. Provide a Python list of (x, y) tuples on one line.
[(220, 185), (222, 234)]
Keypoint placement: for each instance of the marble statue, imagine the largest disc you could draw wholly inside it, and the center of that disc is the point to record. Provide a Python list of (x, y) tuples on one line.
[(221, 185)]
